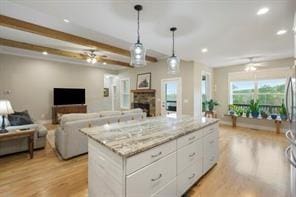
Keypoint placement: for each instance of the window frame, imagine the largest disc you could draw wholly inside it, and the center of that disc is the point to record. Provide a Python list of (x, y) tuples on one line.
[(122, 93), (256, 93)]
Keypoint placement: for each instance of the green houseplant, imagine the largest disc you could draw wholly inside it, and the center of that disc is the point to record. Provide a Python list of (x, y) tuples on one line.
[(254, 108), (283, 112), (264, 114), (211, 104), (247, 111)]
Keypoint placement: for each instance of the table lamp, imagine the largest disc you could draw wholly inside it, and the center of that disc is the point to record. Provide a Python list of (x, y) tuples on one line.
[(5, 109)]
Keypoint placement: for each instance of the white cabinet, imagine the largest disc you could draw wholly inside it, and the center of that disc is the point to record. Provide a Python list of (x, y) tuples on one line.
[(167, 170), (211, 150), (152, 178), (189, 155), (170, 190), (189, 176)]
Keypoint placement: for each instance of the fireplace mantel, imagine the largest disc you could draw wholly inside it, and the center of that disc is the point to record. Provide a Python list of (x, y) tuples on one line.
[(143, 91)]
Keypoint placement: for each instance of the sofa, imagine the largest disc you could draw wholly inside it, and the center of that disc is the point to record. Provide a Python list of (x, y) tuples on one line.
[(20, 145), (70, 142)]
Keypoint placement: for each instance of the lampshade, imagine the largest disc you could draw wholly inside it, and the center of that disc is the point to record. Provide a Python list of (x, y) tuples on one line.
[(5, 107), (138, 54), (173, 64)]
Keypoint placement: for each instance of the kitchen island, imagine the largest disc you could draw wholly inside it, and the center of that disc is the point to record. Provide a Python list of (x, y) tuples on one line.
[(158, 156)]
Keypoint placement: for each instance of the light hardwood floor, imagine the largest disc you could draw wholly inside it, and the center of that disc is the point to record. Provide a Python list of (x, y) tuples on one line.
[(251, 164)]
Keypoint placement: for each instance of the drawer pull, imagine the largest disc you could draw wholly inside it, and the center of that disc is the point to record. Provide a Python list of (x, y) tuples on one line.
[(156, 155), (191, 138), (192, 176), (211, 142), (192, 154), (155, 179)]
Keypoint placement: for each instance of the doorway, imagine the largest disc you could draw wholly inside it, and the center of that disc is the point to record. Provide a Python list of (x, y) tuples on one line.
[(205, 90), (171, 97)]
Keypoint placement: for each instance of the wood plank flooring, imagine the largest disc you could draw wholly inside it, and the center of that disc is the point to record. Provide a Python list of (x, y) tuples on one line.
[(251, 164)]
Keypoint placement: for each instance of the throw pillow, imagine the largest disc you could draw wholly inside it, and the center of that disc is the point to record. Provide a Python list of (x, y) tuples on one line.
[(20, 118)]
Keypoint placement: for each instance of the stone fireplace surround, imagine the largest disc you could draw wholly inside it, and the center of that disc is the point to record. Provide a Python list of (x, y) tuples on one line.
[(144, 99)]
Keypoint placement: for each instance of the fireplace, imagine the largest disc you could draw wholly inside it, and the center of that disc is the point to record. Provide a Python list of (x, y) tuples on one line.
[(144, 106), (145, 99)]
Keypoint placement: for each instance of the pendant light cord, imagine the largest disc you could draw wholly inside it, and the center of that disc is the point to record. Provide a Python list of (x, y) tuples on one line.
[(138, 30), (173, 43)]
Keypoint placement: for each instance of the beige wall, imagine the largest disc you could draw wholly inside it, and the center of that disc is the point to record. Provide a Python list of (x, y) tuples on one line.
[(158, 72), (221, 90), (31, 81)]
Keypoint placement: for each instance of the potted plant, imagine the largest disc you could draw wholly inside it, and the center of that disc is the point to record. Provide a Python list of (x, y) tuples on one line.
[(211, 104), (264, 114), (273, 116), (254, 108), (283, 112), (247, 111)]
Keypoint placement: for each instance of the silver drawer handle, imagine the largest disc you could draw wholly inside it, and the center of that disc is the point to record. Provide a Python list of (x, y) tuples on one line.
[(291, 137), (191, 138), (159, 176), (156, 155), (289, 154), (192, 155), (211, 142), (191, 177)]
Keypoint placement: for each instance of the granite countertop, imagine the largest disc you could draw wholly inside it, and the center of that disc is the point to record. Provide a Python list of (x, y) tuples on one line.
[(129, 138)]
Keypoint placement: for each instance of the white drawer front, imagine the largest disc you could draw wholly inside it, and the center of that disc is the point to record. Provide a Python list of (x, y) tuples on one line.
[(187, 139), (211, 150), (152, 178), (143, 159), (170, 190), (211, 129), (189, 176), (189, 155)]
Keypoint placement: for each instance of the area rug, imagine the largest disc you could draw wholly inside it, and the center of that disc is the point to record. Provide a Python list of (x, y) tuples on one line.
[(51, 142)]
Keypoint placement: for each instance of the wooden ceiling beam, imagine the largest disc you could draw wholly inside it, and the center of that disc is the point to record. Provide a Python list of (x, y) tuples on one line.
[(38, 48), (59, 35)]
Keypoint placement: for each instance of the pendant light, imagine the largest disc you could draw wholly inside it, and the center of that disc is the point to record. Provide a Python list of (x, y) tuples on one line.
[(137, 50), (173, 61)]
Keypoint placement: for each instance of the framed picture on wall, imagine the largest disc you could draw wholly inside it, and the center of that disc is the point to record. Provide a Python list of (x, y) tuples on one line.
[(144, 81), (106, 92)]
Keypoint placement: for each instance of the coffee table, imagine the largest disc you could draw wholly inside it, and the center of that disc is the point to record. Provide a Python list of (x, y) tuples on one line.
[(16, 134)]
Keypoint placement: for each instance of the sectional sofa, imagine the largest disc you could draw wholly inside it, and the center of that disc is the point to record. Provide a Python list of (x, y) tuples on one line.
[(70, 142)]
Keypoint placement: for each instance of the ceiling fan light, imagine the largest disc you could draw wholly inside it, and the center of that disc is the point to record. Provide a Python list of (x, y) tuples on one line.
[(138, 53), (94, 60), (173, 65), (88, 60)]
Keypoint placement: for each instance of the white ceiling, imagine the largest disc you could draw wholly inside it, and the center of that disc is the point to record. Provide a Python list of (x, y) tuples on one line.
[(230, 29)]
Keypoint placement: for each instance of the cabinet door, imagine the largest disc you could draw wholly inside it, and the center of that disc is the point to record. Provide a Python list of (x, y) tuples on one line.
[(170, 190), (152, 178), (211, 150), (189, 155), (188, 177)]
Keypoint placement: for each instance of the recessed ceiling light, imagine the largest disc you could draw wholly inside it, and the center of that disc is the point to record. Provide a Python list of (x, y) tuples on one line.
[(66, 20), (262, 11), (44, 53), (204, 50), (281, 32)]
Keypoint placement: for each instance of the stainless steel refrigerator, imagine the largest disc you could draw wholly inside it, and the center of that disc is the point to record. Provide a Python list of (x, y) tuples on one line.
[(291, 113), (291, 128)]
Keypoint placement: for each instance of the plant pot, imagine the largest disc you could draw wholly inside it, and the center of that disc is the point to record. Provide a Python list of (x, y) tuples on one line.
[(247, 115), (283, 117), (273, 116), (231, 112), (255, 114)]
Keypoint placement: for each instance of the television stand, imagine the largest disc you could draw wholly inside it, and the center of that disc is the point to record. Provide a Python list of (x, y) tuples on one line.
[(58, 110)]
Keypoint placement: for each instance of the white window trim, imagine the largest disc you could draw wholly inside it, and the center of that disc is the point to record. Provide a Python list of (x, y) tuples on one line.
[(122, 93), (254, 95)]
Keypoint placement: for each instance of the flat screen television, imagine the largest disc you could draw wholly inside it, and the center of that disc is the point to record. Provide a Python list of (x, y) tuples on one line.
[(68, 96)]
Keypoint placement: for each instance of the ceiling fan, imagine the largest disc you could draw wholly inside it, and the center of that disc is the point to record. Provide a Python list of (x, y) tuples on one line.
[(251, 65)]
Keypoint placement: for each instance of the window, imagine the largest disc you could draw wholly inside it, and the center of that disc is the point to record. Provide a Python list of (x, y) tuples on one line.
[(125, 93), (268, 92)]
